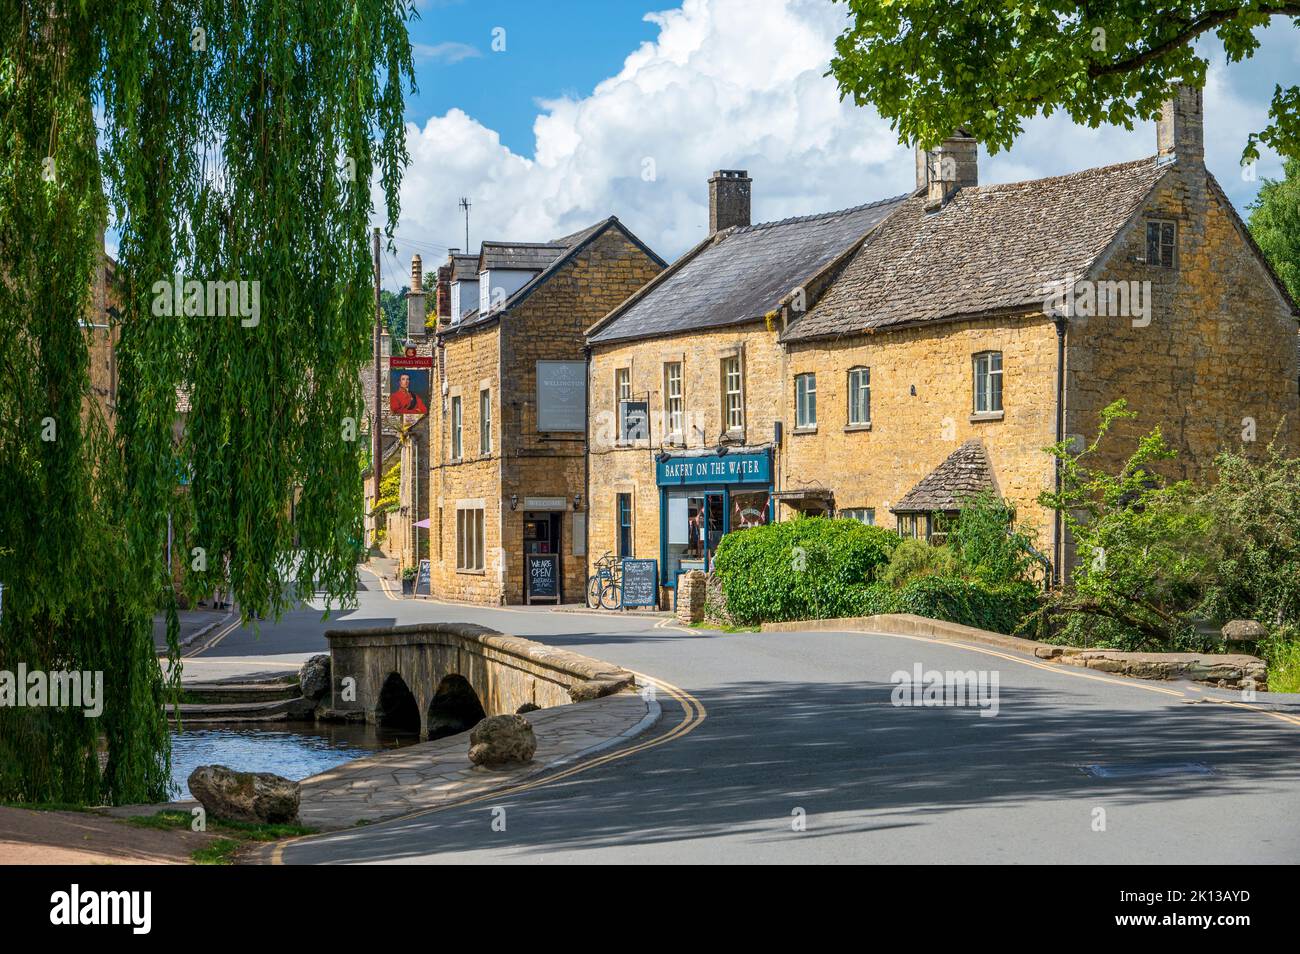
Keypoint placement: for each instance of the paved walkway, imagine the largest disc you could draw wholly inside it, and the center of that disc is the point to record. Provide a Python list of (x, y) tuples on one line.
[(433, 774)]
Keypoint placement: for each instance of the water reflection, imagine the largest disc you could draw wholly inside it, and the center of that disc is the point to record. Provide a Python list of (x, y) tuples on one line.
[(292, 750)]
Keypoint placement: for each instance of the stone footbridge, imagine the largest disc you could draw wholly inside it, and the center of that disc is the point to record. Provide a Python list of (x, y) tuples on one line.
[(438, 679)]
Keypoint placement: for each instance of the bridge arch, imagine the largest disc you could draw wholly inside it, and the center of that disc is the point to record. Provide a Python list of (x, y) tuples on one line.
[(397, 708), (455, 707)]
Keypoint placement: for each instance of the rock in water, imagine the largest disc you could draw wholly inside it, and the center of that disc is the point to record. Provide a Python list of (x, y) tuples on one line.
[(502, 740), (314, 677), (258, 797)]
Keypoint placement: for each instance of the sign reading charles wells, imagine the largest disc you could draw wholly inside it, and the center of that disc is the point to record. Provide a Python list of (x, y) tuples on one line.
[(562, 396)]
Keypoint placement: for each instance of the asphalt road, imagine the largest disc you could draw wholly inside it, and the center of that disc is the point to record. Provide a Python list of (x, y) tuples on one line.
[(801, 757)]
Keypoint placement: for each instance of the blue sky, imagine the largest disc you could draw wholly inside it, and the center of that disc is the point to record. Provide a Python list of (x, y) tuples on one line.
[(624, 108)]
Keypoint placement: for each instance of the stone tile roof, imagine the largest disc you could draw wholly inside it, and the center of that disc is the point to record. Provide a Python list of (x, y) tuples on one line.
[(568, 246), (464, 267), (740, 274), (524, 256), (963, 474), (990, 249)]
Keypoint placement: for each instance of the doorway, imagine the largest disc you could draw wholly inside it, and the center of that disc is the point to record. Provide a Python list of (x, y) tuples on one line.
[(543, 533)]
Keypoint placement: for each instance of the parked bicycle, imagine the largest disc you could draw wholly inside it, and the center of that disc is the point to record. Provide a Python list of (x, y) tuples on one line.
[(605, 586)]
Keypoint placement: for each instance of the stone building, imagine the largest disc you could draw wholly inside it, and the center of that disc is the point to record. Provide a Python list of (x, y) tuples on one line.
[(685, 384), (507, 459), (926, 362)]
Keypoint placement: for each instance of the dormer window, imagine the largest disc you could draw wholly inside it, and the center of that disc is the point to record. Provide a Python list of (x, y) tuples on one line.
[(1161, 239)]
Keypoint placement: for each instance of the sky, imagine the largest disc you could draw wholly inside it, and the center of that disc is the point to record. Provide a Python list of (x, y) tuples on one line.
[(551, 116)]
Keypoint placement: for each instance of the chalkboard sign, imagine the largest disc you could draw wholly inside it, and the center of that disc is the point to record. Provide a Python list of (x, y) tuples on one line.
[(543, 576), (641, 583), (423, 582)]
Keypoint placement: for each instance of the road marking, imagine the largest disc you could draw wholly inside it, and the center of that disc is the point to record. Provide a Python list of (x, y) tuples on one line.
[(221, 634), (693, 713)]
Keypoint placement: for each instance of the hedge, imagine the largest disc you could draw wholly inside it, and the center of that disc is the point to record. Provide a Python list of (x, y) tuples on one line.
[(811, 568), (1000, 609)]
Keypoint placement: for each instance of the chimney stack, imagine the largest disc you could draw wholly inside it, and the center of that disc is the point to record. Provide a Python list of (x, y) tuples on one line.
[(728, 199), (442, 303), (415, 299), (952, 165), (1180, 131)]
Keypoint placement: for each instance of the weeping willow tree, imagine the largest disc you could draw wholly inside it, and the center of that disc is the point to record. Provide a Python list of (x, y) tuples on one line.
[(234, 143)]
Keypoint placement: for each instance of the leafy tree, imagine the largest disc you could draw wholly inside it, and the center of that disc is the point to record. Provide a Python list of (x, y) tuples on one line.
[(1139, 538), (233, 142), (1275, 224), (986, 65), (393, 307), (989, 544)]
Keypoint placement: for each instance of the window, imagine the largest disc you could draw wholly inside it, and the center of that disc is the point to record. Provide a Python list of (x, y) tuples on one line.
[(673, 400), (865, 515), (733, 401), (913, 526), (988, 382), (805, 400), (860, 396), (622, 385), (485, 422), (455, 428), (469, 538), (1160, 244), (624, 525)]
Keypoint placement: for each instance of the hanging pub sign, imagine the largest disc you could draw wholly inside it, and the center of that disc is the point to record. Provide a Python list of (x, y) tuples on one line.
[(408, 383)]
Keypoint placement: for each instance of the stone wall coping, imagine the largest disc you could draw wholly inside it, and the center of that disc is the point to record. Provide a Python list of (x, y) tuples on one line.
[(1208, 667), (578, 667)]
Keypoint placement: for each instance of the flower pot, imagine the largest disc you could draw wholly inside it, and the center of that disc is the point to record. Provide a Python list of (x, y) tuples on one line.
[(408, 587)]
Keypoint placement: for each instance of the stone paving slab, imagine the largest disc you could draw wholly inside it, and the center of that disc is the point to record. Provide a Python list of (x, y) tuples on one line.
[(430, 774)]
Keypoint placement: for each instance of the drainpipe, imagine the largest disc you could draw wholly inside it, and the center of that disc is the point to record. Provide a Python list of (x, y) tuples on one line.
[(586, 466), (1058, 529)]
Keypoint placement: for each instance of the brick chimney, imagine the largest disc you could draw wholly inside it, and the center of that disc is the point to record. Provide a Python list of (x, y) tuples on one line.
[(442, 301), (728, 199), (952, 165), (415, 299), (1180, 131)]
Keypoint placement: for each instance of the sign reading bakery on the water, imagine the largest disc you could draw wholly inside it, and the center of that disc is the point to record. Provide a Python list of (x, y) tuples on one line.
[(562, 396), (712, 469), (408, 383)]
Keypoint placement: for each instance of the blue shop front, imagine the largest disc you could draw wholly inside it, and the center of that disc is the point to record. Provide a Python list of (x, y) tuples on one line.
[(703, 496)]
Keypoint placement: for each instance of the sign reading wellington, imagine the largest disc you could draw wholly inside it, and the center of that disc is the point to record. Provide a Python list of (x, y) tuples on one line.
[(562, 396), (408, 383)]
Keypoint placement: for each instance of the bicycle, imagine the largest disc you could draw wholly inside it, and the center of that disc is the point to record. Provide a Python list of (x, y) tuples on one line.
[(605, 586)]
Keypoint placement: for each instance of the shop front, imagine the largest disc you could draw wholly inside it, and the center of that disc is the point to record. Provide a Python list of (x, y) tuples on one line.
[(703, 496)]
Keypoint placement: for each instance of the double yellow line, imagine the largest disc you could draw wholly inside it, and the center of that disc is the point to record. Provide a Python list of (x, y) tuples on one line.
[(693, 713)]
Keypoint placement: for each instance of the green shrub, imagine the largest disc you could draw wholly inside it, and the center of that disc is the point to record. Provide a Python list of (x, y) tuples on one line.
[(1000, 609), (913, 559), (988, 543), (811, 568)]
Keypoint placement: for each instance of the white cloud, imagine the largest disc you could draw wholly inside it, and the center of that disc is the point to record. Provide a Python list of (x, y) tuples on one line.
[(447, 53), (734, 84)]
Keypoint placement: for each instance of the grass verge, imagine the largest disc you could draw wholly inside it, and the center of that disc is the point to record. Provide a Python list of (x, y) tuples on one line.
[(236, 834)]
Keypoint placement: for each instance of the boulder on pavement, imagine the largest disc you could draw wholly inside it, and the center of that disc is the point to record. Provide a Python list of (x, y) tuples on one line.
[(1244, 631), (257, 797), (527, 707), (502, 740)]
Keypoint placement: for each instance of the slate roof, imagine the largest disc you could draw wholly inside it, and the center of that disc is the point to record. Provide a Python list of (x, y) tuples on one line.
[(740, 274), (963, 474), (989, 249)]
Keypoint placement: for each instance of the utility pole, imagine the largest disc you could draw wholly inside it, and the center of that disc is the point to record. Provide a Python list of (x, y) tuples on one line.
[(377, 424), (464, 204)]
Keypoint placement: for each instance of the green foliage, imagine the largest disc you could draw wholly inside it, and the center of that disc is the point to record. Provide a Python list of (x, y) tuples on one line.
[(989, 545), (1000, 609), (1275, 224), (1139, 537), (986, 67), (811, 568), (247, 157), (913, 559), (393, 307), (390, 488)]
